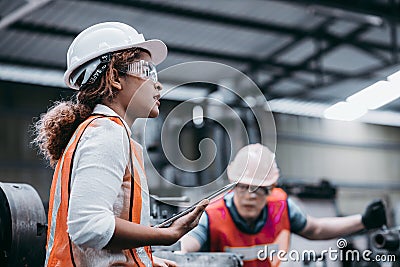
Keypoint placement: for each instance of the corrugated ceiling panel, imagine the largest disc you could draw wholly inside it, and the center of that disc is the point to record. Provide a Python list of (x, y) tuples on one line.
[(348, 58), (182, 31), (306, 76), (342, 90), (13, 44), (267, 11), (173, 59), (286, 87), (197, 34), (267, 49), (381, 34), (299, 52), (7, 6), (34, 48), (342, 28), (76, 16)]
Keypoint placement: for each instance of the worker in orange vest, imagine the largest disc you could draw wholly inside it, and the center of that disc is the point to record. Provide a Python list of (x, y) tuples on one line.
[(99, 201), (257, 215)]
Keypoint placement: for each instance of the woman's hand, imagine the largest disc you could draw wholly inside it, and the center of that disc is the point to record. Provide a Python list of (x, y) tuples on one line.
[(159, 262), (132, 235), (186, 223)]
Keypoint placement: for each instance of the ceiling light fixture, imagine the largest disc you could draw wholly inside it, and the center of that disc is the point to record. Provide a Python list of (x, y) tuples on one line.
[(376, 95), (372, 97), (345, 111), (394, 78), (316, 109)]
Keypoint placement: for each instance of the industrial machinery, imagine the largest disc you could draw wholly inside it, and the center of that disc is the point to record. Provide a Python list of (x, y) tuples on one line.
[(201, 259), (386, 242), (387, 239), (23, 230), (164, 207), (22, 226)]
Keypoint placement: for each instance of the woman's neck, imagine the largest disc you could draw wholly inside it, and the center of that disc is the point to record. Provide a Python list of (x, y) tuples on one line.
[(121, 111)]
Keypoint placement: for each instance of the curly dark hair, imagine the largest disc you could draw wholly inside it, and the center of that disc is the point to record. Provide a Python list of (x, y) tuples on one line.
[(54, 129)]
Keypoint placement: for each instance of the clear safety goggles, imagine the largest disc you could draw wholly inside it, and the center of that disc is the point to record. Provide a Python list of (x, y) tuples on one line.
[(259, 190), (142, 69)]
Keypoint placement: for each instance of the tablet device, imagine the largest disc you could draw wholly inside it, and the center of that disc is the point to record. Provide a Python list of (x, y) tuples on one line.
[(212, 196)]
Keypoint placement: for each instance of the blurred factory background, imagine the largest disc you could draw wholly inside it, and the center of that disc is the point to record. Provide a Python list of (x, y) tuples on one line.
[(304, 56)]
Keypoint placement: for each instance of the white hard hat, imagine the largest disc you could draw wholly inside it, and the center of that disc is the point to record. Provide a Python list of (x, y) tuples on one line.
[(254, 165), (107, 37)]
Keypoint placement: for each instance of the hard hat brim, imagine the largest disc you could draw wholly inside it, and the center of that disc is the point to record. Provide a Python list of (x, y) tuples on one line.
[(157, 48), (253, 182)]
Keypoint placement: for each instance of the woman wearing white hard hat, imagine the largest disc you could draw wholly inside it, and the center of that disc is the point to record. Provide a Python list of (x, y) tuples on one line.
[(99, 201), (257, 215)]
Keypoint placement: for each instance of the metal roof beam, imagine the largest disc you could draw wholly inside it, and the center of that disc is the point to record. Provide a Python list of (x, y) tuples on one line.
[(176, 49), (21, 12), (274, 54), (24, 62), (244, 59), (217, 17), (306, 63), (366, 74), (42, 29), (389, 11)]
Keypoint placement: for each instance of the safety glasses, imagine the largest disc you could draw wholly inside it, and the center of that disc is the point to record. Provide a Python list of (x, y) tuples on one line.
[(142, 69), (259, 190)]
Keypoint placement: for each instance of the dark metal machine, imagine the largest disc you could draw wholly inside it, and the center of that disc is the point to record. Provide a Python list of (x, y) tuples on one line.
[(23, 231), (386, 242), (22, 226), (387, 239), (201, 259), (165, 207)]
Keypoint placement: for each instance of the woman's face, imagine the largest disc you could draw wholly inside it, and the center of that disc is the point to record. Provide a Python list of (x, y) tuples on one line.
[(140, 97)]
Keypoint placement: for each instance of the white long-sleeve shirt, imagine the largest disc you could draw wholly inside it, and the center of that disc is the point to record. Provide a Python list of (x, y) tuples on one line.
[(99, 164)]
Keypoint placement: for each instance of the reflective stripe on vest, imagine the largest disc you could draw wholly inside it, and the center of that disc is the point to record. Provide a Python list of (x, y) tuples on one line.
[(224, 236), (59, 248)]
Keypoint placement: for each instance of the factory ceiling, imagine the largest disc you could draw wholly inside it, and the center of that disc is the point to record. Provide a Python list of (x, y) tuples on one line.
[(318, 51)]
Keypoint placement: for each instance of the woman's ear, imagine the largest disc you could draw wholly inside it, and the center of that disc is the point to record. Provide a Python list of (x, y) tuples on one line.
[(115, 80)]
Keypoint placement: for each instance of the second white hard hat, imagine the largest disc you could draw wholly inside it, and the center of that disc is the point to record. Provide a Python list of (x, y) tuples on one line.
[(254, 165), (104, 38)]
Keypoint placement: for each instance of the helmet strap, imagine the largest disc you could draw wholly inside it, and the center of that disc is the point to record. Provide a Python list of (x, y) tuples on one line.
[(100, 69)]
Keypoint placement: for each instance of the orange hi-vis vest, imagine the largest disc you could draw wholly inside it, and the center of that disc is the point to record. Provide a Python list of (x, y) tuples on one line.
[(259, 249), (59, 248)]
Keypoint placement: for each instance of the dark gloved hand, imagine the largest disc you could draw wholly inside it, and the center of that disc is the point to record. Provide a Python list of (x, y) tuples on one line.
[(374, 215)]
